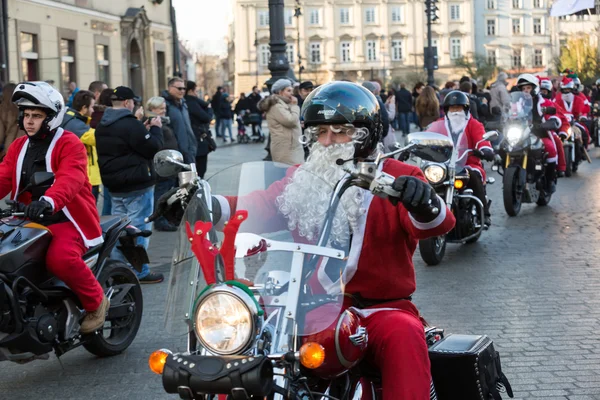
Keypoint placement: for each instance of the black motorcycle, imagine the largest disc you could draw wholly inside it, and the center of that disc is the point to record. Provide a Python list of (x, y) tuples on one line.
[(523, 157), (39, 313)]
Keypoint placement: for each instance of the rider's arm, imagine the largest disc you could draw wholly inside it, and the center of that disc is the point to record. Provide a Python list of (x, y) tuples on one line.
[(7, 170), (477, 131), (70, 175)]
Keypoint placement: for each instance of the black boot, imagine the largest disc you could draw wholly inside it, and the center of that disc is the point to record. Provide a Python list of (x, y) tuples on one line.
[(550, 178), (487, 216)]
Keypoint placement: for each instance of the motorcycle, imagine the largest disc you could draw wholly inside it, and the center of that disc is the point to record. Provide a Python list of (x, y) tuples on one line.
[(255, 322), (39, 313), (523, 159), (450, 180)]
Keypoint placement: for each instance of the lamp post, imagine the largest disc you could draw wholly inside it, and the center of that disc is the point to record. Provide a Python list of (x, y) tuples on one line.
[(297, 14), (430, 62), (257, 55), (278, 64)]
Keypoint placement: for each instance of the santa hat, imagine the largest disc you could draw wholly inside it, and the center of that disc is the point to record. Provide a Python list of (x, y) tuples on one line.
[(567, 83), (545, 82)]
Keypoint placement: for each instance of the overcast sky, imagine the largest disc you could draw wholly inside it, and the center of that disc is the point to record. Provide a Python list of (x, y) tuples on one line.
[(204, 22)]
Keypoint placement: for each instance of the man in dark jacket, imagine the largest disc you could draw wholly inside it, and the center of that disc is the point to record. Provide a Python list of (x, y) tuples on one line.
[(374, 88), (255, 115), (404, 104), (200, 118), (177, 111), (215, 103), (126, 148)]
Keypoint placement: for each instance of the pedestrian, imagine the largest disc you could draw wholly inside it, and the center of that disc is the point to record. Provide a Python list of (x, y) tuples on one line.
[(283, 119), (417, 89), (374, 88), (9, 119), (200, 117), (427, 107), (404, 107), (466, 87), (73, 89), (448, 87), (104, 102), (126, 148), (177, 111), (304, 90), (226, 116), (499, 94), (97, 87), (255, 116), (77, 120), (216, 104)]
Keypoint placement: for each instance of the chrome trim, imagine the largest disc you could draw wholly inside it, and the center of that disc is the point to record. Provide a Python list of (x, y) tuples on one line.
[(245, 241), (338, 349), (90, 262), (428, 164), (360, 338), (480, 204)]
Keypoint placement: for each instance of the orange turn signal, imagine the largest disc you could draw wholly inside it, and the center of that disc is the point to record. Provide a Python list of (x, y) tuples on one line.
[(157, 360), (459, 184), (312, 355)]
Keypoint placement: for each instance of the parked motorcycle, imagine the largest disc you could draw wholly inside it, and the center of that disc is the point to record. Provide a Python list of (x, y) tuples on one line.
[(523, 159), (255, 322), (40, 314), (450, 177)]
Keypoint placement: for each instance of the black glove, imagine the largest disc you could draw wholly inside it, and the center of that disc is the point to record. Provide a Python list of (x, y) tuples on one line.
[(36, 209), (416, 196), (485, 154), (161, 205)]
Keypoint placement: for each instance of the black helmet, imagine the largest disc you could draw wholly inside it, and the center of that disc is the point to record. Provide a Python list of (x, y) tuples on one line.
[(339, 103), (456, 98)]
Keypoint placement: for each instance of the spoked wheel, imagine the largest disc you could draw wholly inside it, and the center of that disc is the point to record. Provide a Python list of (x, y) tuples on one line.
[(512, 192), (433, 249), (125, 312)]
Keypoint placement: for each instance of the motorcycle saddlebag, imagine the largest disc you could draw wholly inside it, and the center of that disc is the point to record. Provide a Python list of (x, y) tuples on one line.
[(467, 367)]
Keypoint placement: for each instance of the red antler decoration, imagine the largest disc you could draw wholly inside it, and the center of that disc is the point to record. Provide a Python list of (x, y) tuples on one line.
[(203, 249), (228, 248)]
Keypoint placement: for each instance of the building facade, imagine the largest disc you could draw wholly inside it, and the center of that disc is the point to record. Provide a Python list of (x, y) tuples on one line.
[(515, 35), (582, 24), (346, 39), (125, 42)]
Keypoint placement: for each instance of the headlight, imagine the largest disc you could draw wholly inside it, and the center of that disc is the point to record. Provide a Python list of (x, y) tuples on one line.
[(224, 320), (513, 135), (435, 173)]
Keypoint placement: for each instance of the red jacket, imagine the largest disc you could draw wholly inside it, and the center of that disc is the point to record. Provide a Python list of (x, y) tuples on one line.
[(71, 191), (380, 262), (573, 110), (559, 116), (473, 133)]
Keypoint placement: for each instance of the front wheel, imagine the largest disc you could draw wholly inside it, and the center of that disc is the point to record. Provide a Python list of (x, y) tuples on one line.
[(433, 249), (569, 161), (512, 192), (125, 312)]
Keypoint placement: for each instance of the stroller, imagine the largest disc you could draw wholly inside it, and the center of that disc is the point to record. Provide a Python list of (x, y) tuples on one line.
[(254, 119), (242, 137)]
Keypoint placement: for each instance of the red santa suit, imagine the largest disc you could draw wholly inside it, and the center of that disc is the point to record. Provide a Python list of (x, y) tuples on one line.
[(473, 133), (573, 111), (379, 267), (553, 141), (71, 193)]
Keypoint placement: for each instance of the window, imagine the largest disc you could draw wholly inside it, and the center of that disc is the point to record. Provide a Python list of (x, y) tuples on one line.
[(314, 17), (161, 70), (538, 58), (491, 57), (371, 50), (370, 15), (516, 59), (398, 14), (264, 54), (67, 63), (289, 52), (29, 56), (491, 27), (344, 16), (397, 51), (491, 4), (538, 3), (103, 63), (516, 26), (455, 50), (346, 52), (537, 26), (288, 17), (263, 18), (315, 53), (516, 4), (455, 12)]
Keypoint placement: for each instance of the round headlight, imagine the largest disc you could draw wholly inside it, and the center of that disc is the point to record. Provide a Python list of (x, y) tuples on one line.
[(513, 135), (435, 173), (223, 323)]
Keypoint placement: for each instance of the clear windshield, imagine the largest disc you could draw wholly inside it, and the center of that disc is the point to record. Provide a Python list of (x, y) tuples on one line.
[(276, 248), (521, 106), (460, 151)]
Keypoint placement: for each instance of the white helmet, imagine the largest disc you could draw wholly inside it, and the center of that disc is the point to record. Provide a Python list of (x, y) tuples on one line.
[(546, 84), (528, 79), (597, 82), (41, 95)]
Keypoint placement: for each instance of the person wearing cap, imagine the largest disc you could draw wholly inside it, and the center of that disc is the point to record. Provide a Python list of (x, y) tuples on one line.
[(283, 118), (304, 90), (126, 148)]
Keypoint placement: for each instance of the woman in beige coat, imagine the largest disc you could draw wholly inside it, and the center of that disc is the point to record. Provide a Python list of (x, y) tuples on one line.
[(283, 119)]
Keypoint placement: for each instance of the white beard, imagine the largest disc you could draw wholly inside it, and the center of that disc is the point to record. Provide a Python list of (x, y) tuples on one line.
[(305, 199), (457, 123)]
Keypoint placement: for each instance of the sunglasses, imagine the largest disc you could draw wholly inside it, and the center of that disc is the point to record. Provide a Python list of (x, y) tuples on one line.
[(180, 88), (565, 91)]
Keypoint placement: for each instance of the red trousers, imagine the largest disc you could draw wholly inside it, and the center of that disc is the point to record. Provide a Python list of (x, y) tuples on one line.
[(550, 148), (562, 163), (64, 260), (397, 347)]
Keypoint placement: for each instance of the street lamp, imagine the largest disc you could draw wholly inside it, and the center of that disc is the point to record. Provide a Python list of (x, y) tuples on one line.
[(257, 55), (297, 14), (278, 64)]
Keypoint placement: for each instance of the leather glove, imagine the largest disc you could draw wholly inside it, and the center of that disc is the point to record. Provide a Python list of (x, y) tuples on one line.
[(36, 209), (161, 205), (416, 196), (485, 154)]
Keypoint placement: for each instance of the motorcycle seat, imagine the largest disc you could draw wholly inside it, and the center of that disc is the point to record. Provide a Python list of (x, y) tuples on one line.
[(109, 221)]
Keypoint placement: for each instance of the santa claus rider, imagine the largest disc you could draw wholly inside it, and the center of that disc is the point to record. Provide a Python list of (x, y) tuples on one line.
[(342, 122), (458, 124), (573, 106), (563, 131), (68, 206)]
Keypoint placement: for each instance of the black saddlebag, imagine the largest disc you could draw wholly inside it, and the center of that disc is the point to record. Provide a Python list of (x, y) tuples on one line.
[(467, 367)]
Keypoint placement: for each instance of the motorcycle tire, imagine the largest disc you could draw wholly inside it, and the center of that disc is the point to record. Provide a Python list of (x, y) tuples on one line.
[(111, 341), (569, 162), (544, 198), (512, 204), (432, 250)]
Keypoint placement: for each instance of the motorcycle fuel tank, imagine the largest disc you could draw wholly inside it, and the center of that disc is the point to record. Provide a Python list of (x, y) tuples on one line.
[(22, 245)]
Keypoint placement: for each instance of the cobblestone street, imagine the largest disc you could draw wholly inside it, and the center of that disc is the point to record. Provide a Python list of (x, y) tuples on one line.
[(531, 283)]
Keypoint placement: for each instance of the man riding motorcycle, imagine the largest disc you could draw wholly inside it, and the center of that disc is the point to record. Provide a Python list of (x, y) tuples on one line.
[(343, 125), (563, 132), (529, 84), (68, 206), (457, 122), (572, 106)]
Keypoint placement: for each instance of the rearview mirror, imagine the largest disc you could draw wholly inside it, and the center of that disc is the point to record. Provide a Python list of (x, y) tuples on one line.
[(491, 135), (168, 163), (41, 178), (431, 146)]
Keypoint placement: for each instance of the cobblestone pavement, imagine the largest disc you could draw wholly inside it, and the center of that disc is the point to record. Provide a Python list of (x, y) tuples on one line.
[(531, 283)]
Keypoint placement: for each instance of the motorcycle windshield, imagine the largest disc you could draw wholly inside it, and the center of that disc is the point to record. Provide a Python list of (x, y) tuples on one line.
[(297, 280), (521, 106), (460, 151)]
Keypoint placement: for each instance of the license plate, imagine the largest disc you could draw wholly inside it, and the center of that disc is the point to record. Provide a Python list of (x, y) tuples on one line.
[(538, 167)]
